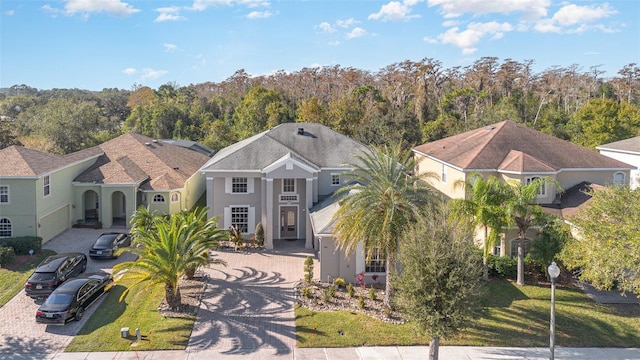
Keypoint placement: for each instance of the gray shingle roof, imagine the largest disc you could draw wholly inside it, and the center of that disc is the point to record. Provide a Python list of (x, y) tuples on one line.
[(317, 145), (631, 145), (510, 146)]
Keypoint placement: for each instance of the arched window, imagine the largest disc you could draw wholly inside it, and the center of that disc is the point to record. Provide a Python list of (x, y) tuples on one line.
[(174, 197), (158, 198), (514, 247), (5, 228), (619, 178)]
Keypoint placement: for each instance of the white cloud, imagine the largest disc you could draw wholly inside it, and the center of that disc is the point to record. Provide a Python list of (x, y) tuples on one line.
[(530, 9), (393, 11), (575, 19), (326, 27), (430, 40), (113, 7), (334, 43), (129, 71), (170, 47), (346, 23), (9, 12), (451, 23), (259, 15), (202, 5), (151, 74), (356, 33), (171, 13), (467, 39)]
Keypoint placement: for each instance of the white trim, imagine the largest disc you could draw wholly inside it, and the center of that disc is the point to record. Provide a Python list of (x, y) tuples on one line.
[(46, 184), (298, 220), (339, 178), (629, 152), (288, 159), (10, 227), (295, 186), (251, 217)]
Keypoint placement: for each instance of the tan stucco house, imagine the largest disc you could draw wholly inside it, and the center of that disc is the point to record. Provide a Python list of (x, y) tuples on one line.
[(512, 151), (627, 151), (43, 194)]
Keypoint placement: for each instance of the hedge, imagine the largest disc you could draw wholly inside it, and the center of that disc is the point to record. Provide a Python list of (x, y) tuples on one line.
[(22, 245), (6, 255)]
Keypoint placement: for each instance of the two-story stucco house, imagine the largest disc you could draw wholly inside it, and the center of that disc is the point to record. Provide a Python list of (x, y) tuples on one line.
[(43, 194), (628, 151), (512, 151)]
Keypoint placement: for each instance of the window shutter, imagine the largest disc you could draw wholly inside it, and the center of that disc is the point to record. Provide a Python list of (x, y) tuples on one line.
[(251, 224), (250, 182), (227, 217), (227, 185)]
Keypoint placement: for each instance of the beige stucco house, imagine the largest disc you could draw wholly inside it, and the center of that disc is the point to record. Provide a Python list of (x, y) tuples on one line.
[(627, 151), (43, 194), (512, 151)]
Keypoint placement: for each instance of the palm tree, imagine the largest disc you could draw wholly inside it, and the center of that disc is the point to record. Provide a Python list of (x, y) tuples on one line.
[(379, 204), (174, 245), (483, 205), (522, 210)]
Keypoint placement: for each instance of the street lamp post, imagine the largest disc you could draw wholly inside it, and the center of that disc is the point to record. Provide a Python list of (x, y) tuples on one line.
[(554, 271)]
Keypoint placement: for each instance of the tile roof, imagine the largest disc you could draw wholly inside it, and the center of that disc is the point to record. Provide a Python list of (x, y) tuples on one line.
[(316, 145), (20, 161), (512, 147), (135, 158)]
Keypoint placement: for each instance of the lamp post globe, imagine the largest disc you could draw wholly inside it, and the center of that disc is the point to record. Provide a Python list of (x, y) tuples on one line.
[(554, 272)]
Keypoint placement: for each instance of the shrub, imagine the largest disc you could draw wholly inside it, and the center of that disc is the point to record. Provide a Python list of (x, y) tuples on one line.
[(329, 293), (503, 266), (308, 270), (372, 293), (360, 302), (22, 245), (338, 282), (259, 234), (351, 290), (306, 292), (6, 255)]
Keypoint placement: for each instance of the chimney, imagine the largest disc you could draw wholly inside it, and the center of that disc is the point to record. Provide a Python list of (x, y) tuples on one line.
[(300, 131)]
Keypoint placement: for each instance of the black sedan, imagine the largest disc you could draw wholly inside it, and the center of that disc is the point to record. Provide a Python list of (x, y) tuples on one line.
[(71, 299), (53, 271), (107, 244)]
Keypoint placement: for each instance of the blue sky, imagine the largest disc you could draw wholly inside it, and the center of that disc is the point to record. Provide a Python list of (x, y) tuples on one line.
[(96, 44)]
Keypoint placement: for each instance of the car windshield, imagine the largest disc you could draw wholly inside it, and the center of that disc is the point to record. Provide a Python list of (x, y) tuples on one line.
[(59, 299), (105, 240), (43, 276)]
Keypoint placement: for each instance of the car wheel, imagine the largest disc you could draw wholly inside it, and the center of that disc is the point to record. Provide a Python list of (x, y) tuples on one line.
[(79, 313), (84, 267)]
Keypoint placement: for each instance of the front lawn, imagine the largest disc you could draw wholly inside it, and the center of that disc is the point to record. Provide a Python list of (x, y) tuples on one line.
[(138, 310), (512, 316), (13, 277)]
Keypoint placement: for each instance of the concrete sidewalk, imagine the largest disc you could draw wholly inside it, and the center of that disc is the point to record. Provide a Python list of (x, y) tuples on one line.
[(362, 353)]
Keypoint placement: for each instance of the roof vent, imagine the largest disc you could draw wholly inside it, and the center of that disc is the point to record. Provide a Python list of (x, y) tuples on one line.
[(300, 131), (155, 140), (148, 143), (490, 127)]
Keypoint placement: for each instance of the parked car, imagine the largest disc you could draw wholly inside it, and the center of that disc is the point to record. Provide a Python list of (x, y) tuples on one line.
[(107, 244), (53, 271), (70, 300)]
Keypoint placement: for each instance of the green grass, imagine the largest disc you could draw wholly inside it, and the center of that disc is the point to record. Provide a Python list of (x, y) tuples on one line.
[(12, 278), (512, 316), (138, 310)]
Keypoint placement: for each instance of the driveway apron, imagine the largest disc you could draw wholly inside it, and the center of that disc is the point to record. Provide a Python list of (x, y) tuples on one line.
[(19, 332), (249, 304)]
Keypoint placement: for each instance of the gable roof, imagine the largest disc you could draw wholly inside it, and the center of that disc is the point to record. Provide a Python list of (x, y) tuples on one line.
[(313, 144), (631, 146), (138, 159), (19, 161), (511, 147)]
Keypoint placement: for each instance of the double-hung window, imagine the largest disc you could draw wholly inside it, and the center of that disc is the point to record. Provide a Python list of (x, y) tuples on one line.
[(543, 188), (289, 185), (377, 262), (239, 185), (4, 194), (240, 218), (46, 185)]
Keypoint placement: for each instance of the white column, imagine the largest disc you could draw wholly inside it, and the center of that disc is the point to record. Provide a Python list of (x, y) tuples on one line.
[(309, 203), (209, 197), (269, 210)]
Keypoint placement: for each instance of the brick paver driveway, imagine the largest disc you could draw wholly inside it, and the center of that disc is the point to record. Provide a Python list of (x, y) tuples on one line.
[(19, 332), (249, 303)]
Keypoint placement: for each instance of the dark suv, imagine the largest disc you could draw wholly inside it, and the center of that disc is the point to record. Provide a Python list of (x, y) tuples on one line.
[(53, 271), (107, 244)]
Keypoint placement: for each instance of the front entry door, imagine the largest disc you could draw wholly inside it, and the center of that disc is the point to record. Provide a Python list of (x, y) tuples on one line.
[(289, 222)]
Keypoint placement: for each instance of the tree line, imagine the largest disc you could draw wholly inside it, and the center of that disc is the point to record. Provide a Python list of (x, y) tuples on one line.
[(405, 103)]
